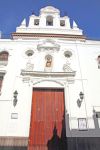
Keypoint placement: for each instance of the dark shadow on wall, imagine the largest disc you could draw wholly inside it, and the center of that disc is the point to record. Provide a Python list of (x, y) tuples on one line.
[(56, 142), (74, 143)]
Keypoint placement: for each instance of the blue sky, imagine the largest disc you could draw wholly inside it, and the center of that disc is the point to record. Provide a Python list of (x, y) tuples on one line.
[(85, 12)]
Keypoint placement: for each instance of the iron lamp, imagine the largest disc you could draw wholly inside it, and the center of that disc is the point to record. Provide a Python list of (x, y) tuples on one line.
[(15, 94), (81, 95), (80, 99)]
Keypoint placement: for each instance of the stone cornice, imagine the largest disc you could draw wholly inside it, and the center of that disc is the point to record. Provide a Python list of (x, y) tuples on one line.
[(47, 74), (16, 35)]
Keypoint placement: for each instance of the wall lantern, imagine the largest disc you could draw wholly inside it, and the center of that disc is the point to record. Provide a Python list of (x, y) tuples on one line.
[(81, 97), (98, 60), (15, 94)]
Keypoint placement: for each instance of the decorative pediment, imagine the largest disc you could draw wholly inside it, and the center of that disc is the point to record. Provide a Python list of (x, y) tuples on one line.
[(49, 9), (49, 45)]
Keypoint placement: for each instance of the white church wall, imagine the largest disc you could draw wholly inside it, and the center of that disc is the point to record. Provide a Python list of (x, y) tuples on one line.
[(90, 72), (83, 61), (4, 116)]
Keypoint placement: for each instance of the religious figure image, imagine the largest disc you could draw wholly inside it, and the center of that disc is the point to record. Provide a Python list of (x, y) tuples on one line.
[(48, 62)]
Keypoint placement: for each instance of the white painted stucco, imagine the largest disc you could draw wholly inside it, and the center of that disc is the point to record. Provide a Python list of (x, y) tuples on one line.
[(20, 77)]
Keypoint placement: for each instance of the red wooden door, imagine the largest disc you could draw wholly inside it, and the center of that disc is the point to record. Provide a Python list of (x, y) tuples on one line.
[(46, 117)]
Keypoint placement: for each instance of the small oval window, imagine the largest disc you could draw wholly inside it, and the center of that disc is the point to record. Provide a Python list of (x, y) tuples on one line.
[(29, 53), (68, 54)]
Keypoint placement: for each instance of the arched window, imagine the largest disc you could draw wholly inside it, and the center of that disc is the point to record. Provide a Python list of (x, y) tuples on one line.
[(4, 56), (62, 23), (49, 21), (36, 22)]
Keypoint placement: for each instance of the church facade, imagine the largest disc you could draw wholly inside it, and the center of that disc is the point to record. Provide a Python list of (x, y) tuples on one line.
[(49, 85)]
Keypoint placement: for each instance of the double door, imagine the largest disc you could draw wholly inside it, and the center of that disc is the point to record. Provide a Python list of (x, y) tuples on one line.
[(47, 119)]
